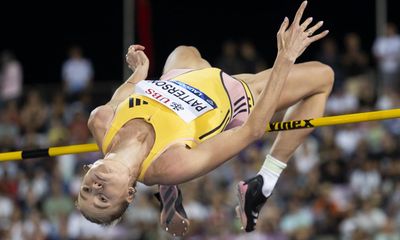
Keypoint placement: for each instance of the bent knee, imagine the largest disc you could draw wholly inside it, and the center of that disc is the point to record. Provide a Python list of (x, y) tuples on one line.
[(188, 51), (325, 75), (185, 57)]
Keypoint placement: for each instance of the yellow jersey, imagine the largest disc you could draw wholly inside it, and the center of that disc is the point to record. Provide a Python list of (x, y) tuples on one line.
[(188, 109)]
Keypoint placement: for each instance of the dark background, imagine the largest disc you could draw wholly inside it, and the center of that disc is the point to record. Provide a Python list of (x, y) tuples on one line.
[(39, 33)]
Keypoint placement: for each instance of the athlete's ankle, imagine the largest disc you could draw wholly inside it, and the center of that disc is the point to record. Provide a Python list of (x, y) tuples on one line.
[(270, 171)]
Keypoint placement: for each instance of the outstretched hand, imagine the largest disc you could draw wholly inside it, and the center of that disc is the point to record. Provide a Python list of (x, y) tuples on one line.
[(137, 59), (293, 40)]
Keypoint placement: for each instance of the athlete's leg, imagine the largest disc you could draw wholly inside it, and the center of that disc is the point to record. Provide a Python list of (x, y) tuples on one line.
[(185, 57), (307, 89)]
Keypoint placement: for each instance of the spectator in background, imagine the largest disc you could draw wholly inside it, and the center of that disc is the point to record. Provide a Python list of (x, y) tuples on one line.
[(298, 220), (58, 108), (388, 99), (333, 167), (326, 211), (386, 50), (77, 72), (306, 156), (251, 60), (370, 218), (347, 139), (367, 96), (229, 59), (329, 54), (388, 231), (11, 77), (34, 113), (342, 101), (365, 181), (78, 128), (6, 207), (9, 126), (57, 203), (354, 60)]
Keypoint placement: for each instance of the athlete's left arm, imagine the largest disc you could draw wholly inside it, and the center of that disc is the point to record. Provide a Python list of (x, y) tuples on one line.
[(139, 63), (180, 164), (101, 117)]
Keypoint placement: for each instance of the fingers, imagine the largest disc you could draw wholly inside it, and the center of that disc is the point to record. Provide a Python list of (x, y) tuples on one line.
[(133, 49), (318, 36), (299, 36), (314, 28), (300, 12), (136, 47), (305, 24), (142, 58), (136, 59), (284, 26)]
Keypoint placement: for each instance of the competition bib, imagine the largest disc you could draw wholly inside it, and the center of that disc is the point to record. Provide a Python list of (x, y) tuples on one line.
[(186, 101)]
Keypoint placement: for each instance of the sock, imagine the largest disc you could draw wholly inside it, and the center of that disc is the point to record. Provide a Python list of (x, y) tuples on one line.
[(270, 171)]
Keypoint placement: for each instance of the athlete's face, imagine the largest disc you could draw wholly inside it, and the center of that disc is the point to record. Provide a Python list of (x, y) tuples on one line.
[(104, 188)]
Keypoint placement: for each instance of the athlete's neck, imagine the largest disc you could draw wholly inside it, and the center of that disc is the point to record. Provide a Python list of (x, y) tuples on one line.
[(131, 148)]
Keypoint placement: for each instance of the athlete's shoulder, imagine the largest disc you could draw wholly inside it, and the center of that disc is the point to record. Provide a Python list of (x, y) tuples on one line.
[(209, 70), (101, 114), (214, 69), (218, 70)]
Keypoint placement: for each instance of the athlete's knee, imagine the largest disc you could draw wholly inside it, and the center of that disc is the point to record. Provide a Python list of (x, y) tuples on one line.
[(325, 75), (185, 57), (187, 50)]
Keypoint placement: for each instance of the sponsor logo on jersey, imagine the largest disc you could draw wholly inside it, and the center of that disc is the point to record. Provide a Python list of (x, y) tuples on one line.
[(186, 101)]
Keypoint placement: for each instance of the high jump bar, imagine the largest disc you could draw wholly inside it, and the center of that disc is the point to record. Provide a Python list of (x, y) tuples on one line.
[(272, 127)]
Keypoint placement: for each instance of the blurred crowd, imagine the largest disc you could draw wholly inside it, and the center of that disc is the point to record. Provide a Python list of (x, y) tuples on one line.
[(342, 182)]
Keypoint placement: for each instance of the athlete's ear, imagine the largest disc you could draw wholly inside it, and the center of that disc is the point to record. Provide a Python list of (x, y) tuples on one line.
[(131, 194)]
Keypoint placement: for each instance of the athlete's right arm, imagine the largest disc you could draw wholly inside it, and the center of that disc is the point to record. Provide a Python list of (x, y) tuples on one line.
[(139, 63), (101, 117)]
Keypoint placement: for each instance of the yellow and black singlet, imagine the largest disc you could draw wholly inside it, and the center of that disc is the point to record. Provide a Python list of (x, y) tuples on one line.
[(188, 109)]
